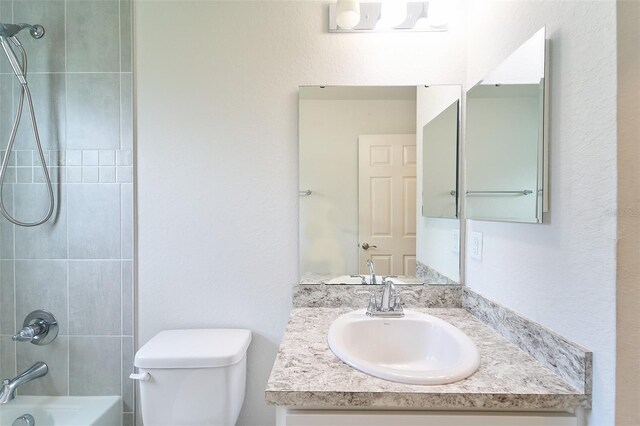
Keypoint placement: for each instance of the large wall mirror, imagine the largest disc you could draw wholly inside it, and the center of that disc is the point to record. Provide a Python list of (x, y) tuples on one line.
[(505, 135), (361, 162)]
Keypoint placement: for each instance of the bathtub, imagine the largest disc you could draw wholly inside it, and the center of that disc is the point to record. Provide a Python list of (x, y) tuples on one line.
[(65, 410)]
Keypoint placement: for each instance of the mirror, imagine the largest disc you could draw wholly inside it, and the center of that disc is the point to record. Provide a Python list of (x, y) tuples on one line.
[(438, 248), (360, 185), (505, 139), (439, 152)]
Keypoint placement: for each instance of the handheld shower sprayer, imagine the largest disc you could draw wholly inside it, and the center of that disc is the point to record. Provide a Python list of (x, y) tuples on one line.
[(8, 37)]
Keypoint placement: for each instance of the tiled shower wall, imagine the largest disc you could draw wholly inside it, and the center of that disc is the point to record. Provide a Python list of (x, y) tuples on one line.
[(79, 265)]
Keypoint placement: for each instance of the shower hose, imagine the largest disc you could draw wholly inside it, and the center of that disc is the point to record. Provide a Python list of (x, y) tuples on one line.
[(21, 74)]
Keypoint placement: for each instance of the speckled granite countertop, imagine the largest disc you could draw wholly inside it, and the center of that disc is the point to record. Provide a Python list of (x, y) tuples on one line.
[(307, 374)]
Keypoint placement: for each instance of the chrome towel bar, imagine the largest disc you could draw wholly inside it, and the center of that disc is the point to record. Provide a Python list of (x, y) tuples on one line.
[(523, 192)]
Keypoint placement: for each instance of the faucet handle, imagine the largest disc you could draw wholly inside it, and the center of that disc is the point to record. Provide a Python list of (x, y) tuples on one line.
[(27, 334), (364, 280), (373, 304), (397, 304), (40, 328)]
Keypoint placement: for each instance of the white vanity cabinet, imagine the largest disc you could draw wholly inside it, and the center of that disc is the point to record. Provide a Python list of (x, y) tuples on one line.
[(297, 417)]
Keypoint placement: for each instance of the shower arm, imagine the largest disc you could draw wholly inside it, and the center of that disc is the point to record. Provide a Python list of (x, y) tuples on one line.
[(9, 30)]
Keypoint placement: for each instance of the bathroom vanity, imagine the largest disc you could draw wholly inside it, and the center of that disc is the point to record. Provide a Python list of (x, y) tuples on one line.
[(309, 385), (396, 202)]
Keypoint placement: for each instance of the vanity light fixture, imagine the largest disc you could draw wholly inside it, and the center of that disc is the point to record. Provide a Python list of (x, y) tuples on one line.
[(351, 16)]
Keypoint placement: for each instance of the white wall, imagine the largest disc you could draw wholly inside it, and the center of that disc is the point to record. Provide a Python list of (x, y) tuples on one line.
[(561, 273), (217, 159), (329, 131)]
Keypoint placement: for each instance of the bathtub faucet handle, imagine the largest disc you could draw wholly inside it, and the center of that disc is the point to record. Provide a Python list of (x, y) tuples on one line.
[(40, 328)]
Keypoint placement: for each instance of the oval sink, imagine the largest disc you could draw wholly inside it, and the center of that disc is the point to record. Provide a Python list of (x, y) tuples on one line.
[(347, 279), (416, 349)]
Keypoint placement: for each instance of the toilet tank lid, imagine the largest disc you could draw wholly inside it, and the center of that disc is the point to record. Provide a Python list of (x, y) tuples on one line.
[(198, 348)]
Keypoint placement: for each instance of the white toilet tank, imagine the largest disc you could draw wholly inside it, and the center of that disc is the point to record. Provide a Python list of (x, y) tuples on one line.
[(193, 377)]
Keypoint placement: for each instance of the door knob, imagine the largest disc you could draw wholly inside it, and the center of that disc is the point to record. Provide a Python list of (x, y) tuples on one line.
[(366, 246)]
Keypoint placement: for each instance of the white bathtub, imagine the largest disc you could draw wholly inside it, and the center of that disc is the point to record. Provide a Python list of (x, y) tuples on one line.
[(65, 410)]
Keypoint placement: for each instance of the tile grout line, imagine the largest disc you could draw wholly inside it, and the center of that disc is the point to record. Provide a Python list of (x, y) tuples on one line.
[(66, 131), (13, 208), (115, 259), (120, 198), (69, 72), (15, 304), (102, 336), (13, 232), (121, 309)]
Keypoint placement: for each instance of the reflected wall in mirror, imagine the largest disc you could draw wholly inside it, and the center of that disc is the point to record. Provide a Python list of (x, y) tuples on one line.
[(439, 153), (438, 231), (505, 139), (358, 184)]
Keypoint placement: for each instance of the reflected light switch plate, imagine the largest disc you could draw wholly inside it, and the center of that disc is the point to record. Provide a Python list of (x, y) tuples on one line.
[(475, 246), (455, 241)]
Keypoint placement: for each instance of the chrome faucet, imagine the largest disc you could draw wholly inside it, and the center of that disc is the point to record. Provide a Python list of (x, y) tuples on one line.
[(389, 306), (372, 271), (9, 387)]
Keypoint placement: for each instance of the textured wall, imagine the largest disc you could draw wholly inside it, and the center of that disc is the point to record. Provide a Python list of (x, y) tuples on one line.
[(79, 265), (218, 163), (628, 368), (561, 273)]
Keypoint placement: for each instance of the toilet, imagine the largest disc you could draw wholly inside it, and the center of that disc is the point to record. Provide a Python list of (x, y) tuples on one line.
[(193, 377)]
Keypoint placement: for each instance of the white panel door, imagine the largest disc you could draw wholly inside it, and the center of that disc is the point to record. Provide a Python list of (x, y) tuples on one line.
[(387, 203)]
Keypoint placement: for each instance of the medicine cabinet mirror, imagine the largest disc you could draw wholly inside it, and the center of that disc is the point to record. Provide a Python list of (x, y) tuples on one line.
[(360, 194), (505, 144)]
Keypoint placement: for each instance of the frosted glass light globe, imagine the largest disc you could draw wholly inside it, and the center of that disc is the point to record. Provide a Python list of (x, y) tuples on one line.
[(438, 13), (347, 13), (392, 13)]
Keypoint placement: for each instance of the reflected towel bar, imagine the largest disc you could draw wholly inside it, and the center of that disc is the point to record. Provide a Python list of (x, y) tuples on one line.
[(524, 192), (304, 193)]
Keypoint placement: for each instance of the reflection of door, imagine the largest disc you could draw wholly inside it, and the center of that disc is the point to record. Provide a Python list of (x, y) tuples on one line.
[(387, 203)]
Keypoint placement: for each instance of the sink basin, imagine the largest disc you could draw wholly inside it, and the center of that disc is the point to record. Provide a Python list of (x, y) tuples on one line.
[(417, 349), (347, 279)]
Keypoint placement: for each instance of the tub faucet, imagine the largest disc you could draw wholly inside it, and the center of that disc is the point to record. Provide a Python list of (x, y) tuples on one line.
[(9, 387), (372, 271)]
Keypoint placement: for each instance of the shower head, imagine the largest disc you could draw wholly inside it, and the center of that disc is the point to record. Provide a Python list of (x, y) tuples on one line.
[(10, 30)]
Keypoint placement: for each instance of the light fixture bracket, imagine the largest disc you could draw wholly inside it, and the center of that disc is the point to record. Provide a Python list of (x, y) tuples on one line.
[(370, 14)]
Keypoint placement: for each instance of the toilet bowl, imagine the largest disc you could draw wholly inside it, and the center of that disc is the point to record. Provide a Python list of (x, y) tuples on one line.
[(193, 377)]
